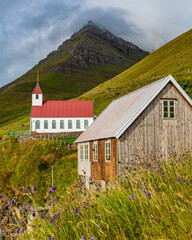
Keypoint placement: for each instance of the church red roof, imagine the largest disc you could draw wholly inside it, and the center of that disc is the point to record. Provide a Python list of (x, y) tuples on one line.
[(63, 109), (37, 89)]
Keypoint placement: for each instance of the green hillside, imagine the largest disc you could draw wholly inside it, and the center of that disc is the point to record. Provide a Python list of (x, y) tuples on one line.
[(173, 58)]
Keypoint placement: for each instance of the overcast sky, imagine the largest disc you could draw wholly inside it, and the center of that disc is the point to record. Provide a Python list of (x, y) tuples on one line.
[(30, 29)]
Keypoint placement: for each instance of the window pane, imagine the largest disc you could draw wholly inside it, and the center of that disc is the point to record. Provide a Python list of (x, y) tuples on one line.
[(165, 109), (171, 103), (78, 124), (70, 124), (171, 109), (86, 124), (37, 96), (165, 103), (62, 124), (45, 124), (165, 114), (53, 124), (171, 115), (37, 124)]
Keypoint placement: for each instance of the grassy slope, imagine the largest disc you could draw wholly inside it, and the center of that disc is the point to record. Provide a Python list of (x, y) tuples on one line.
[(29, 163), (160, 206), (173, 58)]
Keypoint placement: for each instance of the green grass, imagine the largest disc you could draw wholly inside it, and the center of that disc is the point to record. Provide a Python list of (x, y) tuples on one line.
[(173, 58), (29, 163), (166, 214)]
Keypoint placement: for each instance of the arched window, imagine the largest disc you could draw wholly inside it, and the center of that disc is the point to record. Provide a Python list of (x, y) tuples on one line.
[(53, 124), (69, 124), (37, 96), (78, 124), (45, 124), (61, 124), (37, 124), (86, 124)]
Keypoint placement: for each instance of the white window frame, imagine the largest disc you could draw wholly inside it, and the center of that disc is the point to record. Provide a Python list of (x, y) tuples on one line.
[(78, 124), (86, 151), (107, 151), (168, 108), (95, 151), (81, 151)]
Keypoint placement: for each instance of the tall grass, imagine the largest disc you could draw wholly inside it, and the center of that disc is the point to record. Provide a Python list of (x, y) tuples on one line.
[(152, 201)]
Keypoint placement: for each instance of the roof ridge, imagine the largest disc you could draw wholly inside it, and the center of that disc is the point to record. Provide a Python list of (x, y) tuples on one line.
[(141, 88)]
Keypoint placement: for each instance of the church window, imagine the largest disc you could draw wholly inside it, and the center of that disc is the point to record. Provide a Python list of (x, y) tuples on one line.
[(61, 124), (86, 124), (45, 124), (37, 124), (37, 96), (53, 124), (78, 124), (69, 124)]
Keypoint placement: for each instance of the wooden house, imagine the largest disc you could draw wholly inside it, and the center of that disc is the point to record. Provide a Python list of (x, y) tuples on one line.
[(153, 119)]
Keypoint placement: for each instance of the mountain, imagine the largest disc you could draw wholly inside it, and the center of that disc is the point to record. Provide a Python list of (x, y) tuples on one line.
[(173, 58), (90, 57)]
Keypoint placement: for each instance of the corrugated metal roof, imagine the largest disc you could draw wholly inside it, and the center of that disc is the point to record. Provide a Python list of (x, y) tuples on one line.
[(37, 89), (122, 112), (63, 109)]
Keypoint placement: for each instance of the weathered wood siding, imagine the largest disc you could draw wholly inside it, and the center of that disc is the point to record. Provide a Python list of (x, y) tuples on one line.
[(101, 169), (151, 132)]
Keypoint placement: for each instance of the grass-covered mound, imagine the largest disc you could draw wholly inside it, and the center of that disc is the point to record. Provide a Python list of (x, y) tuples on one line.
[(153, 201), (27, 164)]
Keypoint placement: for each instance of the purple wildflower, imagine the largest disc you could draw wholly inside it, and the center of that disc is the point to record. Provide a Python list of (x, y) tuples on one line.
[(53, 188), (58, 214), (21, 230), (97, 215), (33, 214), (162, 172), (34, 188), (54, 199), (80, 214), (157, 171), (76, 210), (42, 216), (9, 201), (1, 196), (148, 194), (143, 190), (28, 191), (97, 189), (132, 197), (161, 155), (151, 216), (49, 191), (51, 220), (81, 183), (86, 204), (57, 227), (27, 207), (178, 180), (185, 179), (83, 237), (138, 184), (91, 179), (92, 238)]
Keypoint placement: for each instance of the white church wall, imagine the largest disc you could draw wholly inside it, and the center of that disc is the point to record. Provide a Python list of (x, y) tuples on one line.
[(58, 129)]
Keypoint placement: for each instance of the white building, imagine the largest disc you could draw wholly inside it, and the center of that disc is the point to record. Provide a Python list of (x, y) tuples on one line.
[(59, 116)]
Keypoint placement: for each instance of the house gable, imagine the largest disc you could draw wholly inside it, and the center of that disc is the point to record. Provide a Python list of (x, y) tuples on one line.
[(122, 112)]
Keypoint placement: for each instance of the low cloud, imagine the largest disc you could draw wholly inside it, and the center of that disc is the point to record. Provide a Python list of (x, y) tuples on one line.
[(29, 30)]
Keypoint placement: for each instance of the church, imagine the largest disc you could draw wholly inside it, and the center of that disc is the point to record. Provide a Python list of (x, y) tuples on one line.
[(59, 116)]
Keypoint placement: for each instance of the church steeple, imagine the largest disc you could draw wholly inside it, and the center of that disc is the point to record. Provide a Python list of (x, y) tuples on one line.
[(37, 94)]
